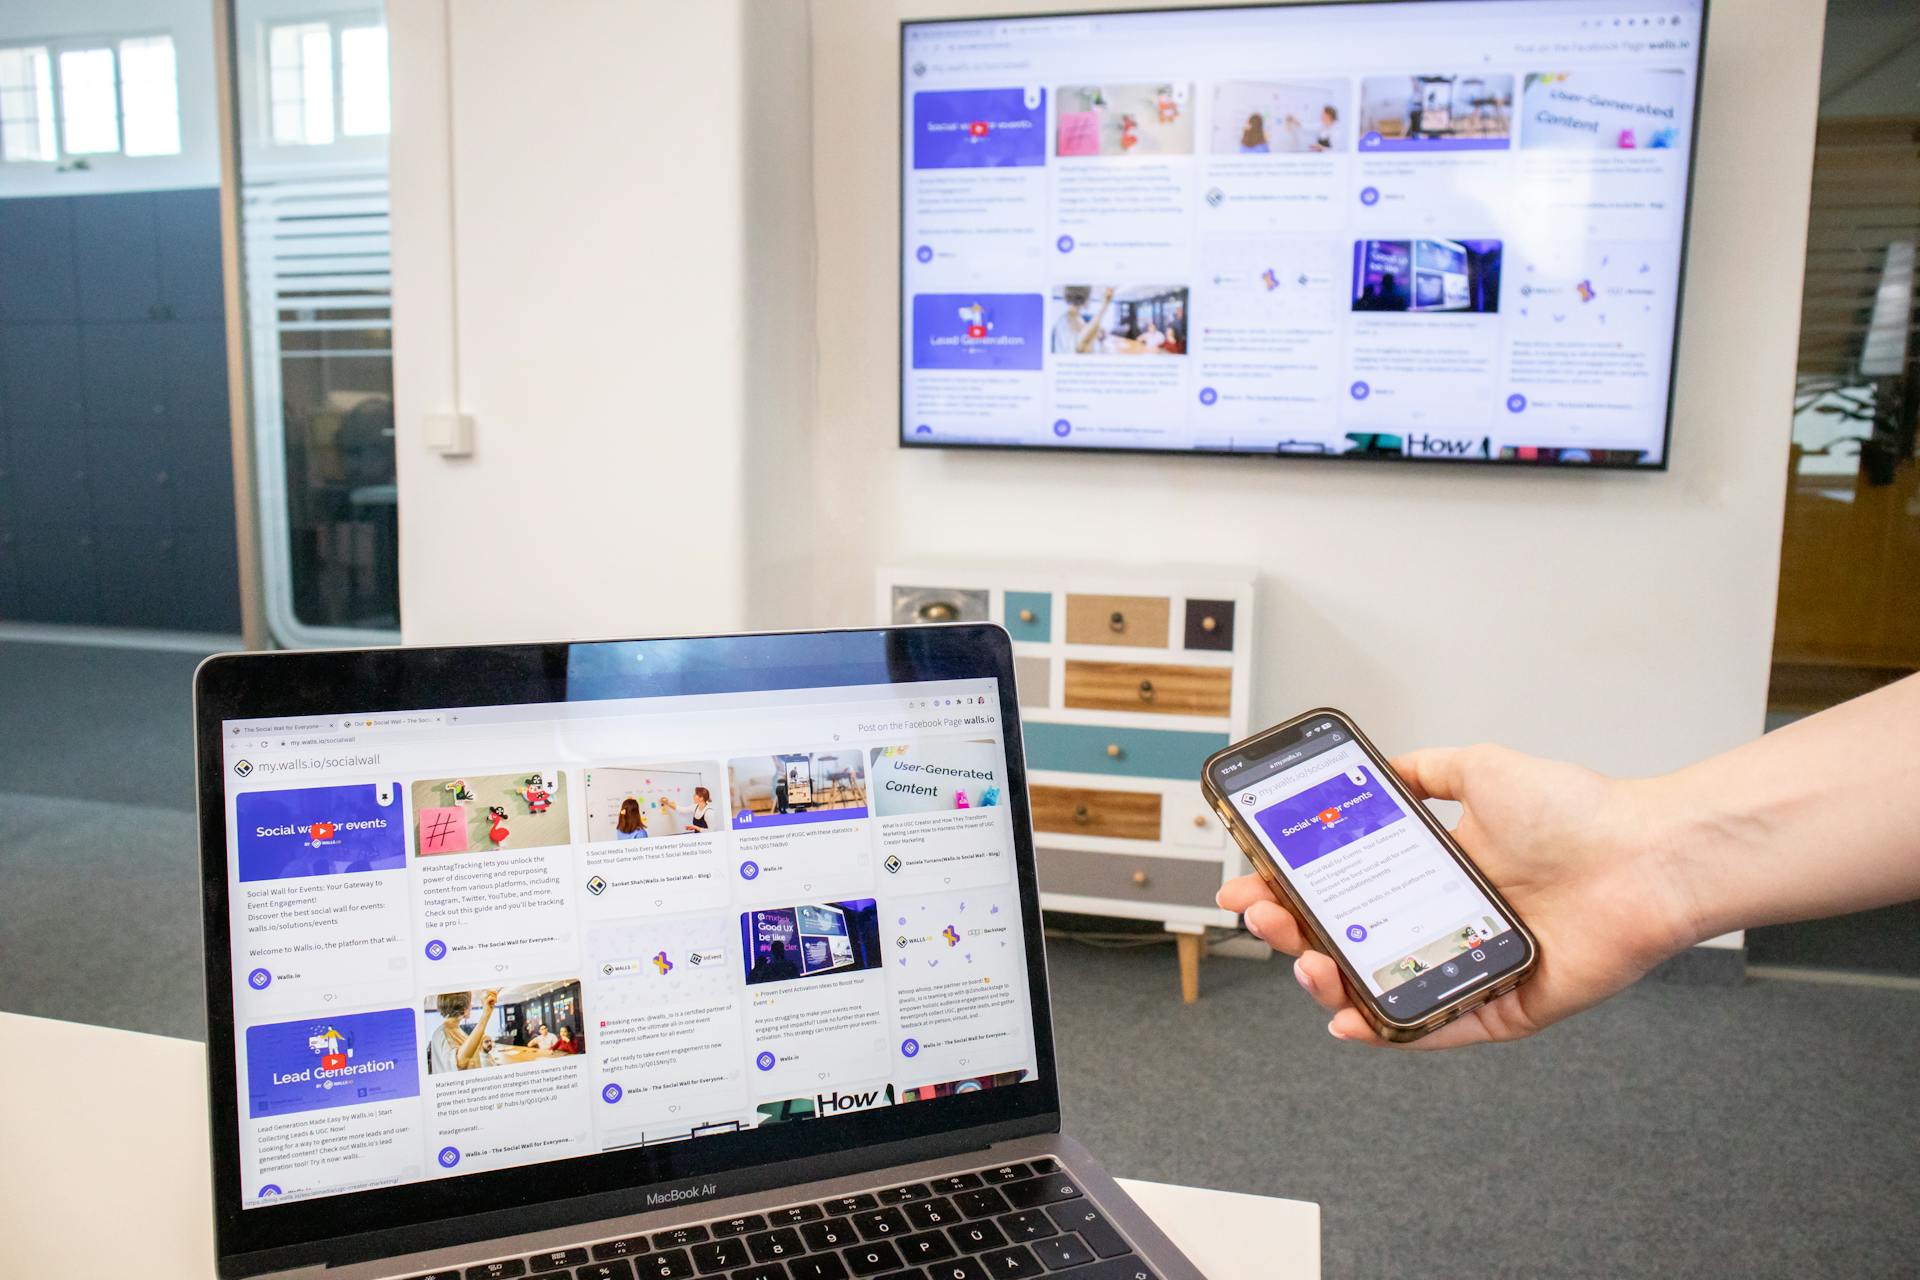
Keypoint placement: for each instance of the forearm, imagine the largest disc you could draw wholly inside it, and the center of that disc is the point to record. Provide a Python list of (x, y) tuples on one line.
[(1819, 818)]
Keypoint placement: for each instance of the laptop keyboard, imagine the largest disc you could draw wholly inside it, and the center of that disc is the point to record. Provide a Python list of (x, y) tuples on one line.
[(1010, 1222)]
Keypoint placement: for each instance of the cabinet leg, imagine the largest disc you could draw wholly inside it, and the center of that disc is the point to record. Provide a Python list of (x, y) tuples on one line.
[(1192, 947)]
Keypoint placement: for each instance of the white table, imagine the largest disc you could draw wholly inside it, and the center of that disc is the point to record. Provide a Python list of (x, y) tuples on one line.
[(106, 1152)]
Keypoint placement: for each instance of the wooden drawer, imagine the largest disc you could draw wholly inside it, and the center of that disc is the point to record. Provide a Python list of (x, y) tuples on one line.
[(1191, 821), (1138, 621), (1035, 678), (1129, 753), (1124, 878), (1030, 616), (1146, 686), (938, 604), (1085, 811), (1210, 625)]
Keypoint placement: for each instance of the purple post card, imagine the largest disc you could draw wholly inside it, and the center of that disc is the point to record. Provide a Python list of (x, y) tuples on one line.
[(1328, 815)]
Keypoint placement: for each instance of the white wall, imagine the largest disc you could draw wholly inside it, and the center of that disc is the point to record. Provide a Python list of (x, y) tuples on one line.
[(190, 23), (1617, 619), (626, 323), (670, 386)]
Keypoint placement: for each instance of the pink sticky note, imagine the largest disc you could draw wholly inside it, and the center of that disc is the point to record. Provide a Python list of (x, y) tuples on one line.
[(1079, 133), (443, 830)]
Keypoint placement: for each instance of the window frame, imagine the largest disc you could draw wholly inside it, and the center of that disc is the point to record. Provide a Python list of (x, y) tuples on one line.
[(54, 47)]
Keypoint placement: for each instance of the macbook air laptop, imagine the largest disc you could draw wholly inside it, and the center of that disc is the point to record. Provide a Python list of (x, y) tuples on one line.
[(714, 957)]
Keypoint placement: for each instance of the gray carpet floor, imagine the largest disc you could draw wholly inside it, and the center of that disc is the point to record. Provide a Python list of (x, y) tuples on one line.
[(1762, 1130)]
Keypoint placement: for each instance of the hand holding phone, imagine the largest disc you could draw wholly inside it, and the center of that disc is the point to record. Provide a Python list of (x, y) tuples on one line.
[(1563, 846)]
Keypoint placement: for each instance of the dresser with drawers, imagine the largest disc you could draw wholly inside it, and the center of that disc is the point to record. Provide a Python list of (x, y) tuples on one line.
[(1129, 677)]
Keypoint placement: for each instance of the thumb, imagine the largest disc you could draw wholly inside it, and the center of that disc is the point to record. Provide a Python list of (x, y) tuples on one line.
[(1435, 773)]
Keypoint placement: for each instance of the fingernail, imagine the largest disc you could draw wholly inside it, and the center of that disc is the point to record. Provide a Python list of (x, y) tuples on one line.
[(1334, 1032), (1300, 976), (1253, 928)]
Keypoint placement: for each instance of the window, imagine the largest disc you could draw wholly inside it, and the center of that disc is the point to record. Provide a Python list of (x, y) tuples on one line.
[(326, 80), (65, 100), (26, 105)]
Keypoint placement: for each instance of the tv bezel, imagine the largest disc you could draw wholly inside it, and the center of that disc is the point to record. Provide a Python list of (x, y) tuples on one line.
[(905, 441)]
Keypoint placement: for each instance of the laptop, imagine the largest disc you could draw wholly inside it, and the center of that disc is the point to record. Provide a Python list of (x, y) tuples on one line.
[(645, 960)]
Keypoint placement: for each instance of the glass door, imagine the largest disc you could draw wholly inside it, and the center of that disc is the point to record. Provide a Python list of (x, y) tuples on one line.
[(311, 110)]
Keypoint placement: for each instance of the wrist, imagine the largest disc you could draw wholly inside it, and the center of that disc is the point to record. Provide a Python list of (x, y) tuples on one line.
[(1689, 845)]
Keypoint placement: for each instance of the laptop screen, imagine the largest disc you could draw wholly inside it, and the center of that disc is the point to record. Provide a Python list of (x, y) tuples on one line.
[(481, 938)]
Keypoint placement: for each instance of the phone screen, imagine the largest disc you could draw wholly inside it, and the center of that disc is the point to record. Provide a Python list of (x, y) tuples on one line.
[(1416, 928)]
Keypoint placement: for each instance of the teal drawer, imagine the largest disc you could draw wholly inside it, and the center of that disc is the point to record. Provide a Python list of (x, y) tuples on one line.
[(1143, 753), (1039, 604)]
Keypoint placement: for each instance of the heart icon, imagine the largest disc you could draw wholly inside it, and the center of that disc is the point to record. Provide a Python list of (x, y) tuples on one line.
[(946, 880), (963, 1062), (659, 901), (674, 1107), (329, 997), (823, 1075), (499, 968), (321, 831), (807, 887)]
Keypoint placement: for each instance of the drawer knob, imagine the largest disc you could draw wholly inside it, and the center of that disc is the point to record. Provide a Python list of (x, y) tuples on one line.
[(1113, 750), (938, 611), (1026, 615), (1200, 820), (1146, 691), (1117, 621), (1082, 814), (1209, 623), (1140, 879)]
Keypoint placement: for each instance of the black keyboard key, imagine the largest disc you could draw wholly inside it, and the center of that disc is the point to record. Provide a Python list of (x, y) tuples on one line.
[(1038, 1191), (915, 1274), (719, 1255), (505, 1269), (668, 1264), (873, 1258), (928, 1214), (834, 1233), (976, 1236), (928, 1246), (959, 1269), (626, 1248), (765, 1271), (1094, 1229), (821, 1266), (775, 1246), (1029, 1225), (739, 1226), (1044, 1165), (1017, 1263), (850, 1204), (556, 1260), (984, 1203), (679, 1237), (440, 1275), (1062, 1252), (1006, 1173), (900, 1195), (881, 1224), (957, 1182), (797, 1214), (615, 1270)]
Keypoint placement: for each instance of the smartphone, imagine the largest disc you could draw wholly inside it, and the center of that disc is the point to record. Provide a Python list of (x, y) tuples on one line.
[(1376, 882)]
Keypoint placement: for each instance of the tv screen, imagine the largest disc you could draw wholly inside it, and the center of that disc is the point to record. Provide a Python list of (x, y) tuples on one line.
[(1450, 230)]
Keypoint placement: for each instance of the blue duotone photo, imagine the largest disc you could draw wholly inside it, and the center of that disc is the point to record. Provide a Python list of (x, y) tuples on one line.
[(1328, 816), (344, 1060), (988, 331), (320, 831), (979, 129)]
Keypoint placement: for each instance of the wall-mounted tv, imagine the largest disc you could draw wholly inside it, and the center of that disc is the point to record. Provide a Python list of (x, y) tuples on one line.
[(1443, 230)]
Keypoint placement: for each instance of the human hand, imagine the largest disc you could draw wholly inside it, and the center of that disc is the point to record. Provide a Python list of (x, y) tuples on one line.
[(1580, 857), (492, 998)]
